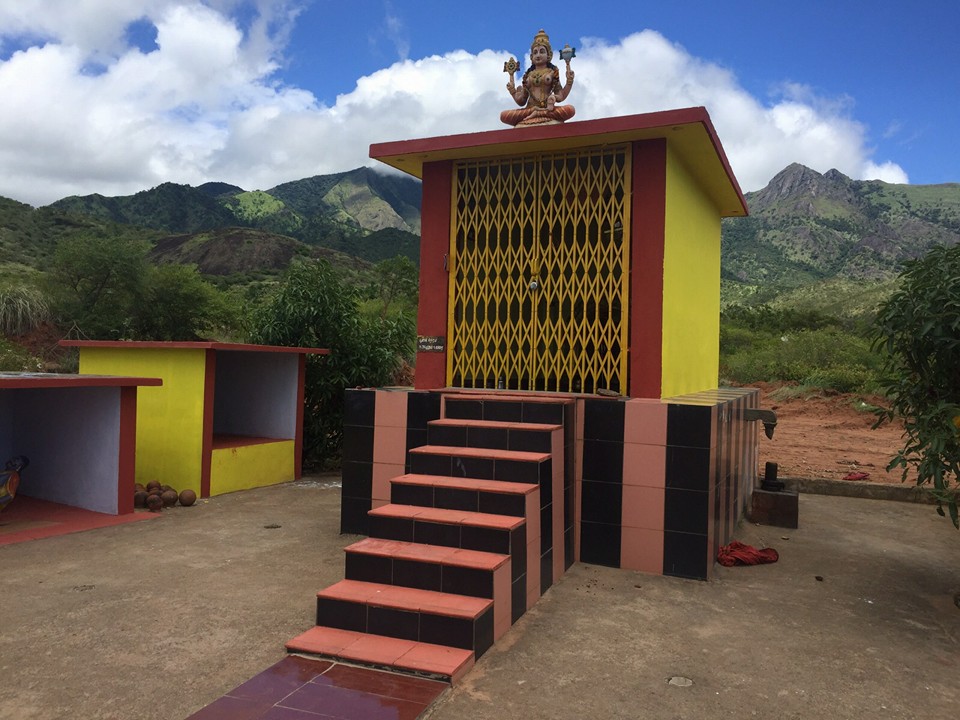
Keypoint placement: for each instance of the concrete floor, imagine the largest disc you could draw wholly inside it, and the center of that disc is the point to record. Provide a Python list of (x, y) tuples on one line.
[(155, 620)]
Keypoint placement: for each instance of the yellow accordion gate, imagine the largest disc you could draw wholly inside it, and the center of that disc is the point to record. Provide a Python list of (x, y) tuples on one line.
[(539, 281)]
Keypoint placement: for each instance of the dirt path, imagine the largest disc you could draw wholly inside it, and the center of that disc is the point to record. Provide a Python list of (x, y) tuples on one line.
[(828, 437)]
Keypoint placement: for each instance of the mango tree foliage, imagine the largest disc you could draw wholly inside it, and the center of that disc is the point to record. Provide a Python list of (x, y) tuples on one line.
[(919, 329)]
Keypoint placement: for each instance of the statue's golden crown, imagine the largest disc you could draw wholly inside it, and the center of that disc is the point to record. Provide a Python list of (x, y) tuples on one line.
[(541, 38)]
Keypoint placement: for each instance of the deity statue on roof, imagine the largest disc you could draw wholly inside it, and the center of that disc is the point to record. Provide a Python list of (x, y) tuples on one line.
[(540, 91)]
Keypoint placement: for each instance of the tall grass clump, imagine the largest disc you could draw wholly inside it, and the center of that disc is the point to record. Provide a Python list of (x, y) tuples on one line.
[(22, 308)]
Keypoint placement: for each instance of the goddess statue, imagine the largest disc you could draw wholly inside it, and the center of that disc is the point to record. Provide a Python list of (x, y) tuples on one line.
[(540, 90)]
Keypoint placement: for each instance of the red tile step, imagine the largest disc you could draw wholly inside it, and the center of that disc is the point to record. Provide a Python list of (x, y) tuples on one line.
[(439, 661), (435, 567), (408, 613), (482, 463), (502, 534), (474, 494), (531, 437)]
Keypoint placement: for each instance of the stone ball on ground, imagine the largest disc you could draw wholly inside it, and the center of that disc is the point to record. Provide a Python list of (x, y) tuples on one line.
[(187, 497), (153, 484), (169, 498), (154, 503), (140, 499), (139, 487)]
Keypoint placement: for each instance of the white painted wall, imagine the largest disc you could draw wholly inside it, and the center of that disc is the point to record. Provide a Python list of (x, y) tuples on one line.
[(256, 394), (72, 438)]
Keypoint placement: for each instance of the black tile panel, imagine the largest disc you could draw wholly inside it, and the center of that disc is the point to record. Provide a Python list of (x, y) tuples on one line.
[(456, 499), (518, 598), (546, 571), (522, 471), (689, 425), (422, 407), (342, 614), (429, 464), (603, 420), (503, 410), (356, 479), (420, 495), (531, 440), (543, 412), (502, 504), (686, 511), (417, 437), (359, 407), (357, 443), (464, 409), (467, 581), (688, 468), (430, 533), (685, 555), (455, 436), (568, 548), (488, 437), (603, 461), (402, 624), (546, 482), (546, 528), (391, 528), (483, 632), (518, 552), (444, 630), (369, 568), (353, 515), (472, 467), (600, 544), (416, 574), (601, 502), (486, 539)]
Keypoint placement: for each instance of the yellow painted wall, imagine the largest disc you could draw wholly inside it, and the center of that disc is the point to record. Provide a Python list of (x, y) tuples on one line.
[(691, 285), (250, 466), (169, 417)]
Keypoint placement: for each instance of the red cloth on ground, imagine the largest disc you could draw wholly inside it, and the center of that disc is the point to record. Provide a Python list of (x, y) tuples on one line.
[(736, 553), (856, 476)]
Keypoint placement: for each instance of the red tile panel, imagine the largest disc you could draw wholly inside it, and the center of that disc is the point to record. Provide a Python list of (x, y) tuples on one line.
[(641, 549)]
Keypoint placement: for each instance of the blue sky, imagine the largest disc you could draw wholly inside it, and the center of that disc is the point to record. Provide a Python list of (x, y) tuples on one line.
[(115, 96)]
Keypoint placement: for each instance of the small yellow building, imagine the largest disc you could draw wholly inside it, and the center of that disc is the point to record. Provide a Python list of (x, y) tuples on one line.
[(227, 417)]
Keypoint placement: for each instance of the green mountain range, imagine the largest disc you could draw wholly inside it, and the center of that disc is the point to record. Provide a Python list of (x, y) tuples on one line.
[(805, 230), (805, 227)]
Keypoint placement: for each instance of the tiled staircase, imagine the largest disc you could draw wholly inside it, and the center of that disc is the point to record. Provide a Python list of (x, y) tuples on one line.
[(474, 533)]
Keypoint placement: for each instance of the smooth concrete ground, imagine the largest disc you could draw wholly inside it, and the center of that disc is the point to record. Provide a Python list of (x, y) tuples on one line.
[(154, 620)]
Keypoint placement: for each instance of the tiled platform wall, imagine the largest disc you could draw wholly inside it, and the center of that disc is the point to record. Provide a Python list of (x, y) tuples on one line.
[(663, 483), (652, 485)]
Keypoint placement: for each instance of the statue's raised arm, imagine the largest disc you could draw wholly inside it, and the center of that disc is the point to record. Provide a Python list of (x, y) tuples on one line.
[(540, 90)]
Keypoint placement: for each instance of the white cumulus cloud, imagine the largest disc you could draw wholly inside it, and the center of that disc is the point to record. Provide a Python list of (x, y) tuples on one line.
[(85, 111)]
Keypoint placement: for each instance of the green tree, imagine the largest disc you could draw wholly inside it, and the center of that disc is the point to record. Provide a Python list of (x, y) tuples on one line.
[(396, 285), (918, 327), (95, 281), (313, 308), (178, 304)]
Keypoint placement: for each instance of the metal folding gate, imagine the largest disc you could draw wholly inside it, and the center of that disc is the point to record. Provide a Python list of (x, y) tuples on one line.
[(539, 258)]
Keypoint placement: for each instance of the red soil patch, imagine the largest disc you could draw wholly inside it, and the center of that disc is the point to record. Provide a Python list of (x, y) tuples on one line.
[(828, 436)]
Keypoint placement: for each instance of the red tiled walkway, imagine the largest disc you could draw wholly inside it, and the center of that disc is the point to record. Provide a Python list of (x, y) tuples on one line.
[(298, 688), (28, 518)]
